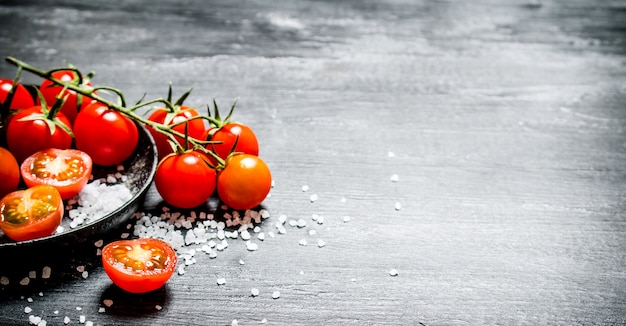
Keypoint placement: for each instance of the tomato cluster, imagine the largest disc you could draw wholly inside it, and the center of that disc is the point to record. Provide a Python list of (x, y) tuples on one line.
[(51, 141)]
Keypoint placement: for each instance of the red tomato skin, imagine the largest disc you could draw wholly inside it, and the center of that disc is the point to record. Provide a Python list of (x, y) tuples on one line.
[(196, 128), (227, 135), (185, 180), (33, 229), (245, 182), (9, 172), (138, 281), (25, 138), (106, 135), (50, 90), (22, 99), (67, 188)]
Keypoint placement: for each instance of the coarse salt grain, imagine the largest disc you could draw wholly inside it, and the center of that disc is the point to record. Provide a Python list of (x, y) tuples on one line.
[(254, 292), (302, 242), (313, 198), (46, 272), (398, 206), (346, 219), (394, 178), (321, 243), (107, 302), (305, 188), (4, 280), (393, 272), (275, 295), (221, 281), (28, 310), (66, 320)]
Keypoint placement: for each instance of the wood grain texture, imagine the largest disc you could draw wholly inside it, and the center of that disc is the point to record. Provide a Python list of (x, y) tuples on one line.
[(506, 119)]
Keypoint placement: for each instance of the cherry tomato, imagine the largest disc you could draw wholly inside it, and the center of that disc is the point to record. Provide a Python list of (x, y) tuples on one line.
[(108, 136), (31, 130), (185, 180), (32, 213), (67, 170), (9, 172), (244, 182), (22, 99), (229, 133), (139, 265), (75, 102), (195, 129)]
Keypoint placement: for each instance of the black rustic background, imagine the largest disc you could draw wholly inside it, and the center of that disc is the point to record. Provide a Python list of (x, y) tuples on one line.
[(506, 120)]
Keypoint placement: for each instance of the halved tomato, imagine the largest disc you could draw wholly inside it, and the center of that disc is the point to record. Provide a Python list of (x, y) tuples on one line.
[(139, 265), (32, 213), (68, 170)]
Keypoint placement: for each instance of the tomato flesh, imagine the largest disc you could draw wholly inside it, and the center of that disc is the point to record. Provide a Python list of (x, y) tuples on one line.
[(245, 182), (68, 170), (32, 213), (139, 265)]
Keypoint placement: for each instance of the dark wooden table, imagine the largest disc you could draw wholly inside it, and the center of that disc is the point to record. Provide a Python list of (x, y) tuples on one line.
[(503, 120)]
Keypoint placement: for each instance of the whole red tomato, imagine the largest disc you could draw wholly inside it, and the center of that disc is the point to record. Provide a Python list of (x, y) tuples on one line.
[(225, 137), (33, 129), (108, 136), (22, 99), (244, 182), (9, 172), (139, 265), (75, 102), (185, 180), (195, 128)]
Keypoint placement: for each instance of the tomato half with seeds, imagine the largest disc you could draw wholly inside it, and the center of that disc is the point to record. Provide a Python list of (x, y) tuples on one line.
[(185, 180), (139, 265), (32, 213), (67, 170), (245, 182)]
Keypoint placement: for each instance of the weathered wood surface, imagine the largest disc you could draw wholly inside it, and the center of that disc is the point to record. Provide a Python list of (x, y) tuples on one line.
[(506, 119)]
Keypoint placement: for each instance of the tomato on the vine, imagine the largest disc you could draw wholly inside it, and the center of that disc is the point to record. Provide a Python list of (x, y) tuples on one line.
[(195, 127), (108, 136), (67, 170), (224, 138), (244, 182), (32, 213), (75, 101), (9, 172), (22, 99), (34, 129), (139, 265), (185, 180)]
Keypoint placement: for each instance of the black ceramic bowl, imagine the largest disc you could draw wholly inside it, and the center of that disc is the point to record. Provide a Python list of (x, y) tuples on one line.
[(139, 170)]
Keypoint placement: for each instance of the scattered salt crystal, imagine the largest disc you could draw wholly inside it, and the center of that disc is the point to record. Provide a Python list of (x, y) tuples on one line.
[(261, 236), (305, 188), (293, 223), (40, 294), (107, 302), (241, 262), (46, 272), (312, 232), (234, 322), (398, 206), (25, 281), (56, 312), (80, 268), (27, 310), (264, 213), (391, 154), (321, 243), (89, 323), (181, 270), (271, 234), (313, 197), (82, 319), (394, 178), (32, 274), (158, 307), (301, 272), (282, 219), (320, 220), (302, 242), (393, 272), (346, 219), (29, 299), (102, 310), (254, 292), (301, 223), (251, 246), (264, 321), (343, 199), (4, 280), (221, 281), (85, 274), (79, 308), (34, 320), (66, 320), (275, 294), (213, 254)]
